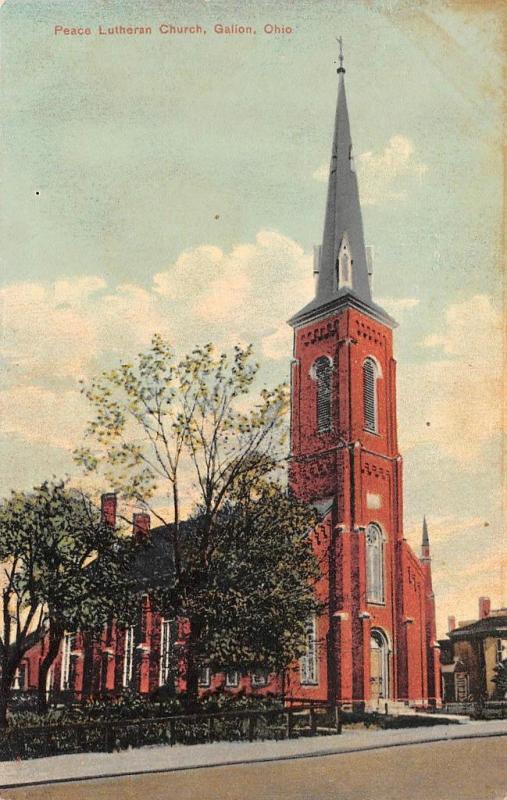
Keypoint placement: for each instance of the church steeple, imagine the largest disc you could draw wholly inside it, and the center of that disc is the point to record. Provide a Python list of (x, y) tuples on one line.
[(341, 263), (342, 269)]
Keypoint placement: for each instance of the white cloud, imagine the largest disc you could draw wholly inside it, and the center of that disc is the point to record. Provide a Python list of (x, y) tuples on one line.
[(41, 416), (397, 305), (249, 292), (75, 327), (279, 343), (384, 176), (453, 401), (54, 335), (61, 330)]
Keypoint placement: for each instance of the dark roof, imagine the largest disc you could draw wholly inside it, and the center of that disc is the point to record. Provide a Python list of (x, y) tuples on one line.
[(343, 298), (155, 562), (154, 565), (489, 626)]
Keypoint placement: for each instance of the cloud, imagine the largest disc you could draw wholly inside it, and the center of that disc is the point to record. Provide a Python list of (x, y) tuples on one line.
[(444, 528), (53, 335), (41, 416), (384, 176), (61, 331), (248, 293), (452, 401), (397, 305)]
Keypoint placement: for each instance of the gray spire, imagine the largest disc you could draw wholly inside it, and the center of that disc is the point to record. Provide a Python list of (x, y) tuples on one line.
[(343, 238), (342, 268), (425, 537)]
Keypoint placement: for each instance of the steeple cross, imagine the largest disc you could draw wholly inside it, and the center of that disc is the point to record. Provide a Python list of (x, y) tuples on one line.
[(340, 56)]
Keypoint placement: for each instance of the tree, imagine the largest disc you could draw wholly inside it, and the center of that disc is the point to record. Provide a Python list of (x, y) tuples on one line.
[(253, 590), (63, 570), (500, 680), (187, 432)]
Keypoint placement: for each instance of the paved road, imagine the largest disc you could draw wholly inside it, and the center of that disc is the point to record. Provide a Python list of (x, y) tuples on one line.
[(473, 769)]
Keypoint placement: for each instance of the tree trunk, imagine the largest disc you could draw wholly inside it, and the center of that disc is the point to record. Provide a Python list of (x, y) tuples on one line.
[(192, 666), (4, 701), (55, 638), (8, 670), (90, 665)]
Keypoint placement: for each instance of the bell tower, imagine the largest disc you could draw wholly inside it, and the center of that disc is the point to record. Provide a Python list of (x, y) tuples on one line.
[(344, 453)]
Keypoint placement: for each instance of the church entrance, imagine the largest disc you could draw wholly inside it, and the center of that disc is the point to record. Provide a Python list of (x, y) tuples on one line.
[(379, 667)]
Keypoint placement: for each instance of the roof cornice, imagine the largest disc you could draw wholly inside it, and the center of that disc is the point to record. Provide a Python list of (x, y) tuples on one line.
[(317, 310)]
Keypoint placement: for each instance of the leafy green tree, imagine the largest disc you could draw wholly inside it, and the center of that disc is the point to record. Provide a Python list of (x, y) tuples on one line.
[(63, 570), (188, 434), (252, 580)]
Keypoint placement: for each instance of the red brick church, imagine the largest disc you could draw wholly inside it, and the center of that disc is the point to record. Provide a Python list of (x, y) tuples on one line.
[(376, 641)]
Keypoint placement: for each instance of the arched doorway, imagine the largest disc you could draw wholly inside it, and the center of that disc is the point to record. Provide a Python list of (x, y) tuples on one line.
[(379, 667)]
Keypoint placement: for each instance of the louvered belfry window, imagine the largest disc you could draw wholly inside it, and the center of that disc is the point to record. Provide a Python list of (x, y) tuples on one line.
[(370, 395), (323, 371)]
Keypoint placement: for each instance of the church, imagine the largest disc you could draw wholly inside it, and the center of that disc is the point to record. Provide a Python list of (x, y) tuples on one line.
[(375, 642)]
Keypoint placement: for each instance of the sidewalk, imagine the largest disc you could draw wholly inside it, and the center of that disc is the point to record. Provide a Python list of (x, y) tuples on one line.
[(166, 759)]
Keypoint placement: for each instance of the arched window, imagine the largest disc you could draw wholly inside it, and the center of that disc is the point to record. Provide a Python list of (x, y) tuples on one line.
[(379, 666), (374, 564), (344, 263), (370, 375), (322, 372)]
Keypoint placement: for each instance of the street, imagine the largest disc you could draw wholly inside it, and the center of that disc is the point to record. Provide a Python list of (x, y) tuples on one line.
[(472, 769)]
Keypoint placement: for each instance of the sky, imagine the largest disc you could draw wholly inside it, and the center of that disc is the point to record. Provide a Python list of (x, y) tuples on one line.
[(175, 183)]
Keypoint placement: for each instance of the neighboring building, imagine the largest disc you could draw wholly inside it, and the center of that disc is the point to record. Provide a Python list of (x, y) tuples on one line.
[(376, 640), (471, 655)]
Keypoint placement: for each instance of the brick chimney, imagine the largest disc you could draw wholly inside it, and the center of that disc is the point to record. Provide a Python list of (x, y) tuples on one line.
[(141, 524), (451, 623), (484, 607), (108, 509)]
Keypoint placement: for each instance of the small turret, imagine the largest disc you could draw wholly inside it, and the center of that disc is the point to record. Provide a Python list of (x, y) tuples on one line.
[(425, 547)]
